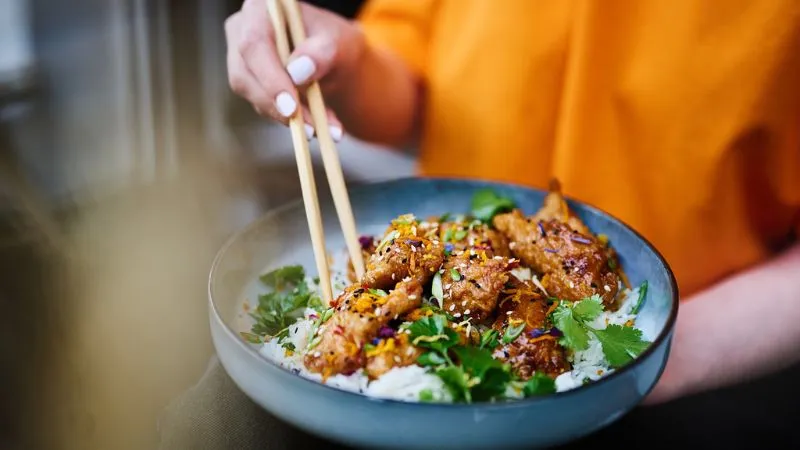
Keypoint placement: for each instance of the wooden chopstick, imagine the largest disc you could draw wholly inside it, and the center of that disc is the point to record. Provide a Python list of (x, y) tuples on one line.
[(330, 156), (304, 166)]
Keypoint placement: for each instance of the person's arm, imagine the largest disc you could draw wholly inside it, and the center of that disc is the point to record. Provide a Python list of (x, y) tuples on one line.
[(380, 101), (740, 329)]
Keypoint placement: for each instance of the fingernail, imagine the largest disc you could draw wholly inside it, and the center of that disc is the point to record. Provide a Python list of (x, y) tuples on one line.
[(309, 131), (301, 69), (285, 104), (336, 133)]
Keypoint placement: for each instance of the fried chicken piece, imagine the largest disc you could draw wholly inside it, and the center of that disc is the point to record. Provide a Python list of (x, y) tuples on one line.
[(462, 236), (534, 350), (359, 315), (555, 207), (472, 282), (575, 266), (403, 253), (391, 352)]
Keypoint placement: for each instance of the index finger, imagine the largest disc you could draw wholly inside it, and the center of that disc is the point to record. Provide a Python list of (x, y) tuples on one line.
[(259, 53)]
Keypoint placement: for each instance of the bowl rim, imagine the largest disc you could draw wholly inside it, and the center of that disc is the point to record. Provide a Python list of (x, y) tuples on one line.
[(660, 339)]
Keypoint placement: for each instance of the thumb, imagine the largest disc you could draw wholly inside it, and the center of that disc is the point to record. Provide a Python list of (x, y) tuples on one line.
[(312, 59)]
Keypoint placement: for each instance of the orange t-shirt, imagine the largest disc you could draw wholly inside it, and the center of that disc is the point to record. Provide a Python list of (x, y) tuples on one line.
[(682, 118)]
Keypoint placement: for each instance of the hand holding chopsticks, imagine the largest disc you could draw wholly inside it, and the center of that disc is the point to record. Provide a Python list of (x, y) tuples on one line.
[(283, 13)]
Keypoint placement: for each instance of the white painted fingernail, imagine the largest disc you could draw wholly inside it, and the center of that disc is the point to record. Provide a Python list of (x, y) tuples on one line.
[(285, 104), (301, 69), (336, 133), (309, 131)]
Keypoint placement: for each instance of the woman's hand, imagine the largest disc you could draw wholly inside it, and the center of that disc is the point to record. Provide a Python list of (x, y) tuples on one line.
[(330, 53)]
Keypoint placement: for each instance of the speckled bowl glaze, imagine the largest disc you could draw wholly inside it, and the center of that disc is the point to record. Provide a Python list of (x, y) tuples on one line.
[(281, 237)]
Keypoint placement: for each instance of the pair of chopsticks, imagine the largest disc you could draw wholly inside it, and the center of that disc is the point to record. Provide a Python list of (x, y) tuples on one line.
[(283, 12)]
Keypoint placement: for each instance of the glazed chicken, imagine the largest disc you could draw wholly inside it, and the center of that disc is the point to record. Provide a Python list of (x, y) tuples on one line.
[(555, 207), (401, 254), (535, 350), (471, 284), (574, 265), (390, 352), (359, 315), (462, 236)]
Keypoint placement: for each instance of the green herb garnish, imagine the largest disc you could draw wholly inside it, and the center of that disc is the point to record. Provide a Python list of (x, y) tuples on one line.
[(282, 307), (489, 339), (512, 333), (640, 300), (459, 235), (539, 384), (455, 275), (620, 344), (486, 204), (378, 292), (436, 289), (426, 395)]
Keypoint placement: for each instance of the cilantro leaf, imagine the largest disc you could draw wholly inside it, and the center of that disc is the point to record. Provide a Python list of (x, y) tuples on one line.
[(280, 308), (488, 377), (455, 275), (432, 332), (575, 335), (459, 235), (588, 309), (620, 344), (486, 204), (513, 332), (278, 279), (456, 382), (431, 359), (539, 384)]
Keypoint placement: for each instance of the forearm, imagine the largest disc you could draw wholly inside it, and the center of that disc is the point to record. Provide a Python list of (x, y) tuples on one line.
[(379, 100), (740, 329)]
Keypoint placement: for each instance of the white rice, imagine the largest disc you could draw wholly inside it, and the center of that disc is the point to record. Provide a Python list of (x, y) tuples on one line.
[(408, 383)]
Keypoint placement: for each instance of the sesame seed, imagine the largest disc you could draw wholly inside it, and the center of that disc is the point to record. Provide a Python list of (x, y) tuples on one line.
[(377, 311), (499, 258), (396, 358), (464, 303), (571, 285), (466, 313), (512, 245), (457, 315), (452, 307), (317, 354), (448, 286), (607, 288), (412, 297), (508, 313), (392, 276), (396, 316), (413, 249)]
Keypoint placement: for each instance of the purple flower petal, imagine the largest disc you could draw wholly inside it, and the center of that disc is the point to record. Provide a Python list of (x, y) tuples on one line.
[(365, 241), (535, 333), (556, 332), (376, 341), (385, 332)]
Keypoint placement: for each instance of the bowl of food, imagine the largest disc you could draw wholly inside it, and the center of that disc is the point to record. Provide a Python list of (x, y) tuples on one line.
[(490, 316)]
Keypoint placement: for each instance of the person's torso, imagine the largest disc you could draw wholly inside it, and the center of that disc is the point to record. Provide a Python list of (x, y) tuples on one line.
[(680, 118)]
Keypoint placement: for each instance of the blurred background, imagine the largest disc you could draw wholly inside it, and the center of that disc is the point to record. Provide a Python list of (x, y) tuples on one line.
[(125, 162)]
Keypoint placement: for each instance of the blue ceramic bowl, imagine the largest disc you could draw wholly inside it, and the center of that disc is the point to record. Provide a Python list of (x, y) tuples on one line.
[(281, 237)]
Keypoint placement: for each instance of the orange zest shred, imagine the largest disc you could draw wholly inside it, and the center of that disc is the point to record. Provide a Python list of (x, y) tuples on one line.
[(542, 338)]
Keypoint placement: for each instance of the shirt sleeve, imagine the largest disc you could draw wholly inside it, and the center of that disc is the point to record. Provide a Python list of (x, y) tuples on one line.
[(402, 27)]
